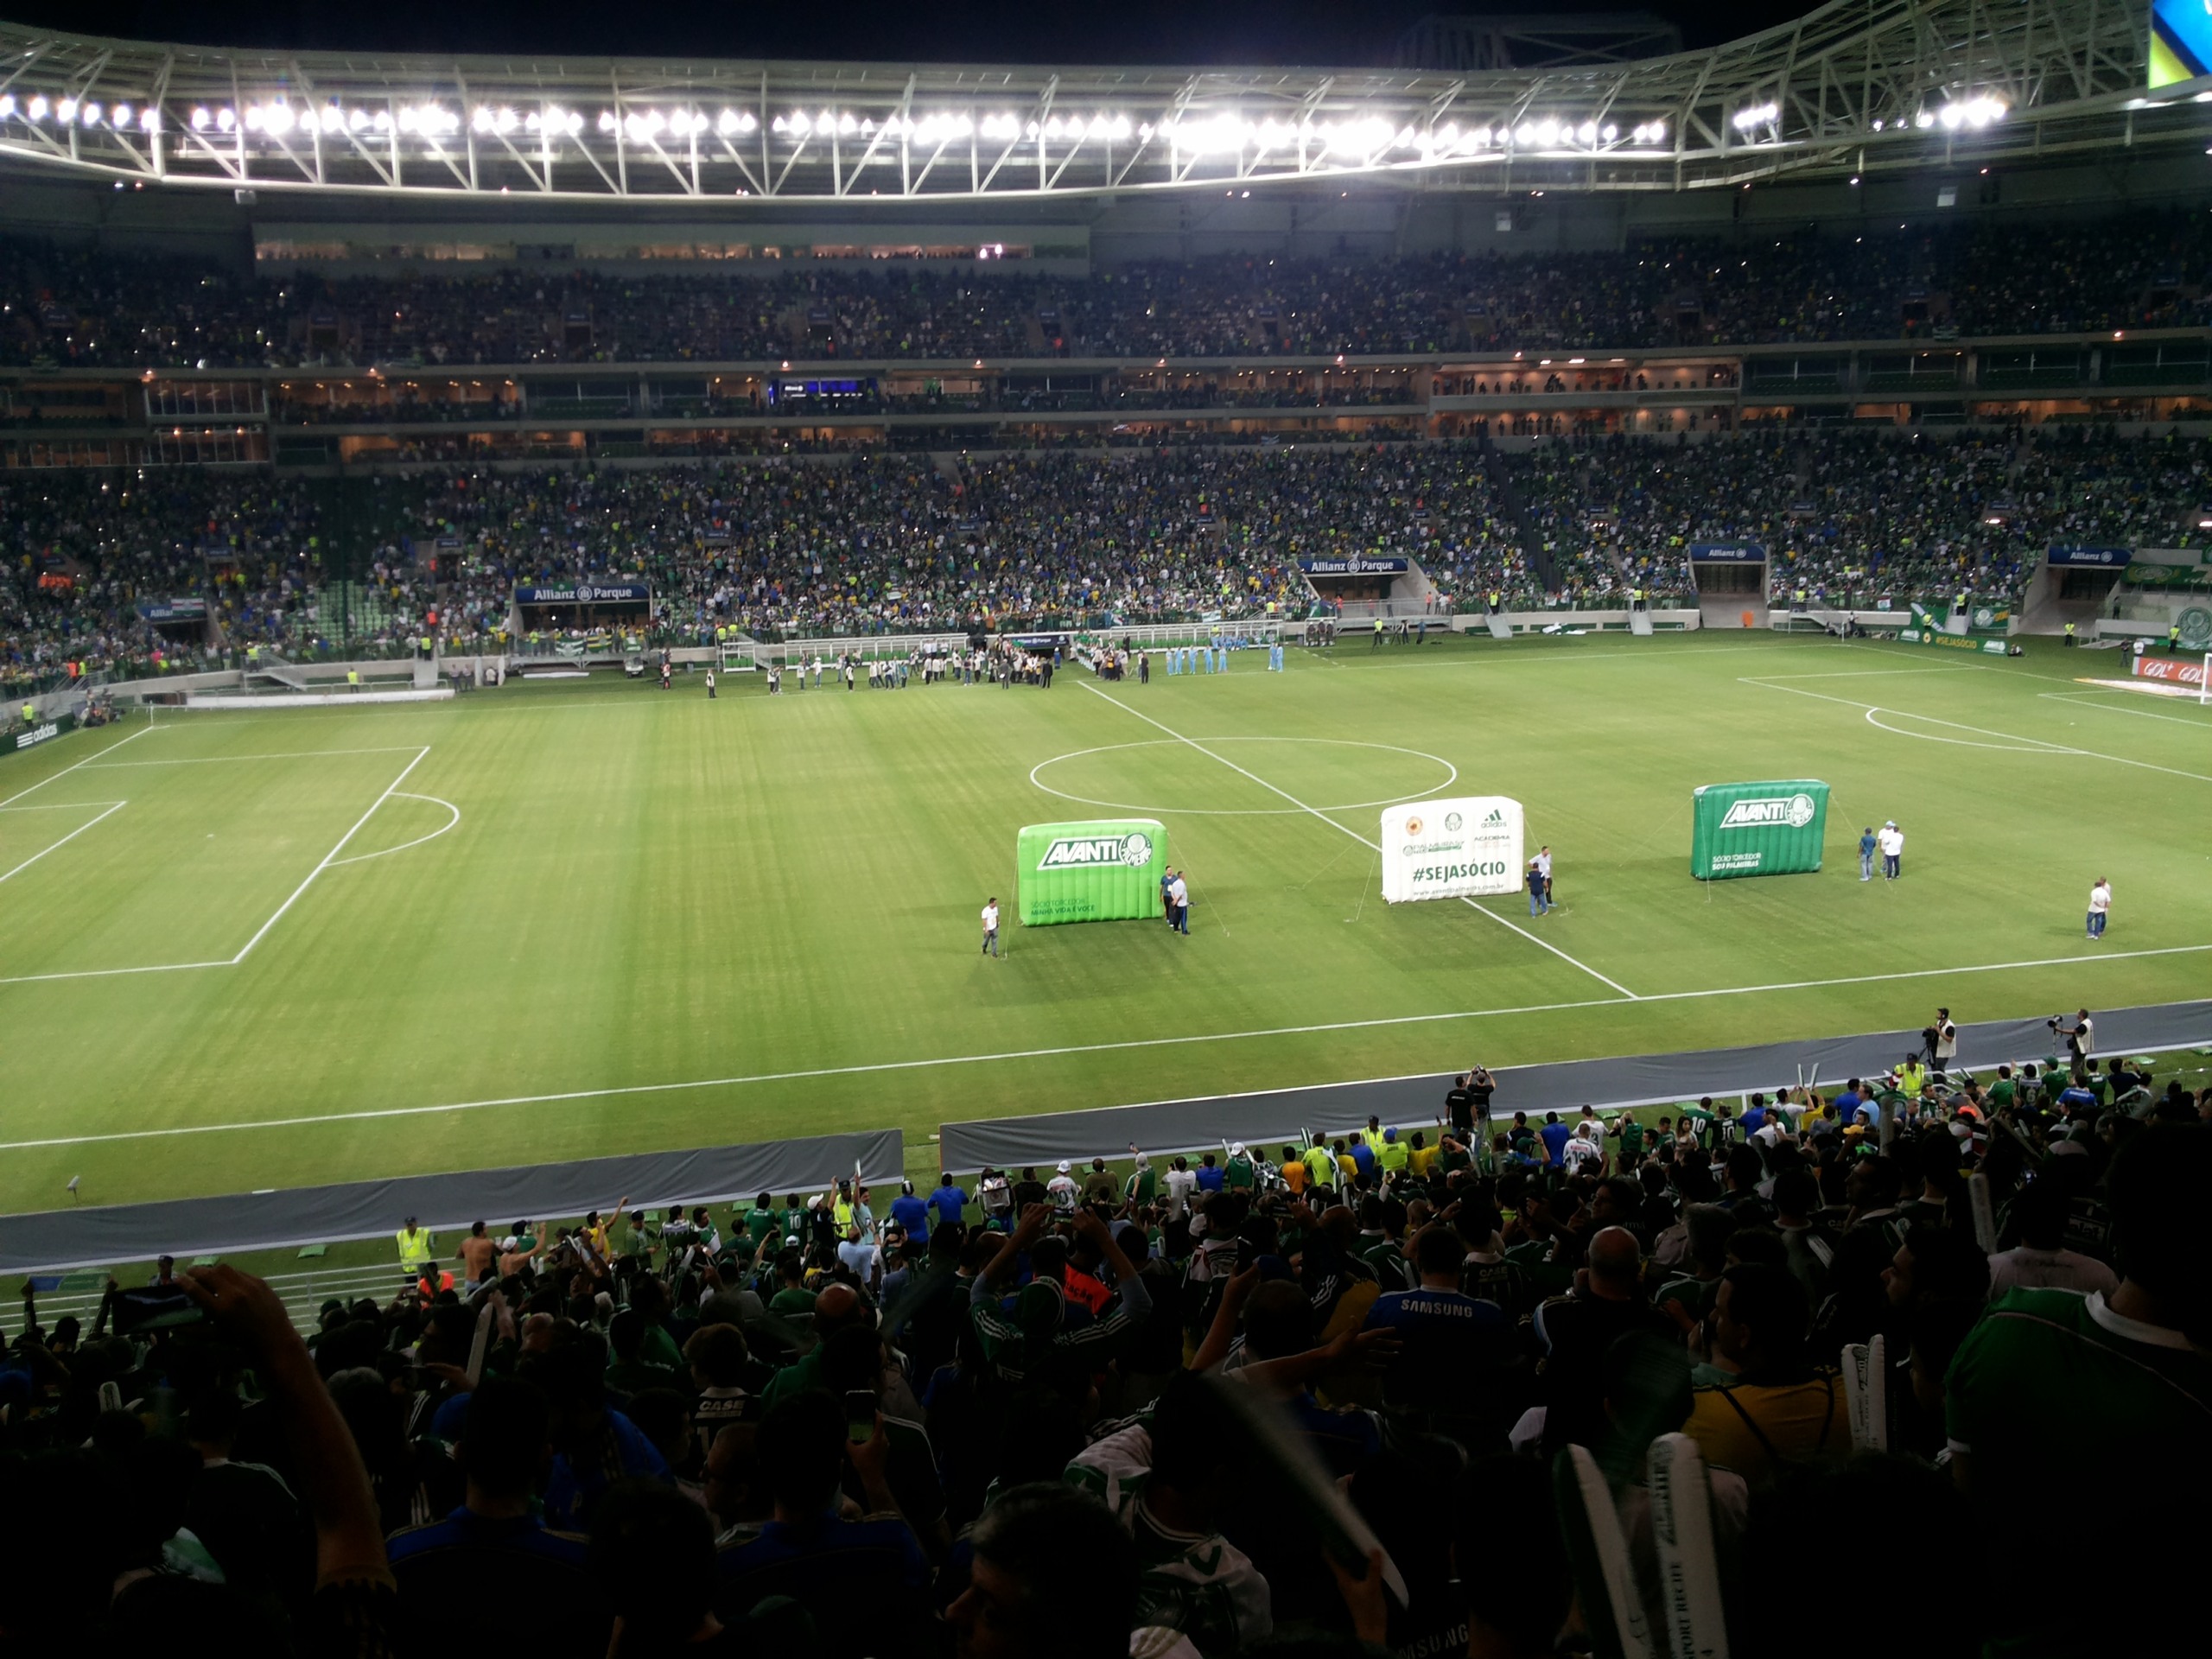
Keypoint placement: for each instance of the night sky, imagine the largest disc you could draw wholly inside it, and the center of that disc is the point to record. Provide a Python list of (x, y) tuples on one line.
[(1289, 32)]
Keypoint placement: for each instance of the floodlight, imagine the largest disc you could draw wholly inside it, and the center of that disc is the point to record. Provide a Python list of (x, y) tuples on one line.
[(728, 125), (37, 109), (66, 110), (6, 106), (227, 119), (481, 119), (120, 115)]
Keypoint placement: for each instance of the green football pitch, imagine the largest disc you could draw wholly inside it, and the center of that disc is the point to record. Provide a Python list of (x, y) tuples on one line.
[(269, 949)]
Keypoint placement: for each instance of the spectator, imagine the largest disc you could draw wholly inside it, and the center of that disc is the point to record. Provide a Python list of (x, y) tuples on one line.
[(497, 1537), (864, 1581), (2137, 1427), (1779, 1413)]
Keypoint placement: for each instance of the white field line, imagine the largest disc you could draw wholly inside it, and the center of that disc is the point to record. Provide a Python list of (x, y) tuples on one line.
[(2035, 745), (815, 1074), (221, 759), (87, 761), (363, 858), (1341, 829), (2084, 699), (113, 807), (259, 933), (262, 932), (1861, 673)]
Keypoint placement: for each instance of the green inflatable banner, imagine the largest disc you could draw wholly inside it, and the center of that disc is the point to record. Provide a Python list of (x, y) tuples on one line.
[(1099, 870), (1770, 829)]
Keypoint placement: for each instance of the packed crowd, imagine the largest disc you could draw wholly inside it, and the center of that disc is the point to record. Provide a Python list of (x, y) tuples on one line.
[(1858, 518), (890, 543), (1159, 1408), (74, 307)]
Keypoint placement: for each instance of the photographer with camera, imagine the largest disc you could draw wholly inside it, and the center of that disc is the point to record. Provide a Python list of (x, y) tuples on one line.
[(2080, 1041), (1941, 1039)]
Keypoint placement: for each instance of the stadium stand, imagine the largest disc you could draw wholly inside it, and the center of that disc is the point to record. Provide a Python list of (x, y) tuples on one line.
[(780, 1420), (73, 308), (885, 542)]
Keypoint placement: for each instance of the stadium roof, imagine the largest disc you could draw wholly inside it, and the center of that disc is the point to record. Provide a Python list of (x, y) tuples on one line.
[(1858, 85)]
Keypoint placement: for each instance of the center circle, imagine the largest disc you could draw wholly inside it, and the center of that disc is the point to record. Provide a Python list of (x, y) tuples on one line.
[(1396, 758)]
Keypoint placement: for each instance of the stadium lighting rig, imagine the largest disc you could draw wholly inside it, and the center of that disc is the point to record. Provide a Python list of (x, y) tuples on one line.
[(1850, 88)]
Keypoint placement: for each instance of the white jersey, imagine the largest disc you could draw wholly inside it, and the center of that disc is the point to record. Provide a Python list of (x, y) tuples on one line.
[(990, 918), (1178, 1184), (2099, 898), (1198, 1583)]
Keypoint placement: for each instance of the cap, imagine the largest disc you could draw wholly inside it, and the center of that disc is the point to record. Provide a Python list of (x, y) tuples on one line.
[(1064, 1166), (1237, 1148), (510, 1242)]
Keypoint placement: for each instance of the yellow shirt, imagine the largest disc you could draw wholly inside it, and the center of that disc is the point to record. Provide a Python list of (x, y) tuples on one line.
[(1420, 1158), (1801, 1420)]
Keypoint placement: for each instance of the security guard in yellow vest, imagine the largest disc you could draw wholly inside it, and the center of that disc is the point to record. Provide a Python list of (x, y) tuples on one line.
[(1797, 600), (417, 1247), (1490, 599), (1373, 1135), (2069, 633), (2173, 638), (1635, 599), (353, 679), (30, 714)]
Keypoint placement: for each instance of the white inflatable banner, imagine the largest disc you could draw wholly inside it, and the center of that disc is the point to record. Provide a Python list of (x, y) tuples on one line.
[(1452, 849)]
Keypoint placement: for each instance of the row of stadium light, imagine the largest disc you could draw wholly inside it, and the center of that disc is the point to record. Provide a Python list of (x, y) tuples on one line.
[(1216, 134)]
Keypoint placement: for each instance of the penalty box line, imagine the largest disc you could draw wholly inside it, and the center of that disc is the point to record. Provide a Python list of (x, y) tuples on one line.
[(111, 807), (1316, 812), (816, 1074), (261, 932)]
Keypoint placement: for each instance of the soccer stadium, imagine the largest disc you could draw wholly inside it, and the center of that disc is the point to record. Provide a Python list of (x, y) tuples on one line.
[(1345, 832)]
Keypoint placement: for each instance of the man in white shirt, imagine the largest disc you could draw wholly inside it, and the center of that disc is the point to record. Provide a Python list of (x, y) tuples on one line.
[(2040, 1262), (2100, 904), (1179, 895), (991, 928), (1063, 1191), (1178, 1185), (1581, 1152), (1891, 842)]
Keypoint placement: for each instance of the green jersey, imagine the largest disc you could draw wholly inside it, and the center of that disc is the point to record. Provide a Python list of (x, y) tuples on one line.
[(1239, 1176), (758, 1223)]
